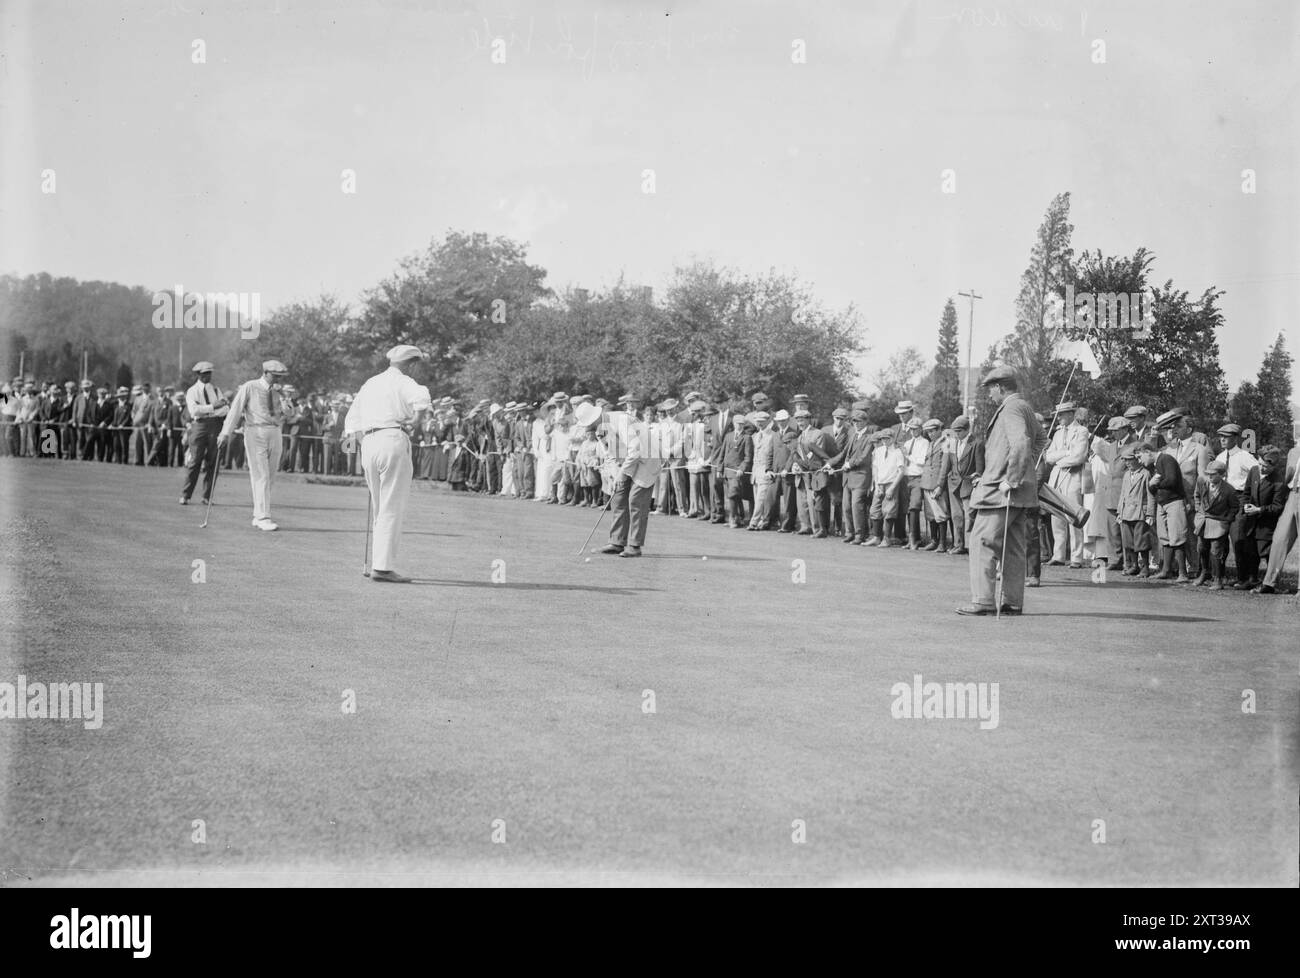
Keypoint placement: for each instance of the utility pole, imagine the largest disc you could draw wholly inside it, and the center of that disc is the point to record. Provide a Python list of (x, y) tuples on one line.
[(970, 347)]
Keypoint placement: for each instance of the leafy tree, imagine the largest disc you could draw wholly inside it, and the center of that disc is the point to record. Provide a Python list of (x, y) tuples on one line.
[(451, 301), (1033, 345), (895, 382), (308, 338)]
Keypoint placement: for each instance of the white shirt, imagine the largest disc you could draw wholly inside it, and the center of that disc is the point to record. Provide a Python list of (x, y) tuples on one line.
[(200, 398), (255, 403), (917, 450), (1239, 463), (387, 400), (886, 464)]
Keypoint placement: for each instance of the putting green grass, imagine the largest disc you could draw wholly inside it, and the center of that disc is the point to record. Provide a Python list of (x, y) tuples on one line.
[(519, 706)]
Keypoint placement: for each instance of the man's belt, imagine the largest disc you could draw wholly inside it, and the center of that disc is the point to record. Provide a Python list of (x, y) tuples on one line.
[(387, 427)]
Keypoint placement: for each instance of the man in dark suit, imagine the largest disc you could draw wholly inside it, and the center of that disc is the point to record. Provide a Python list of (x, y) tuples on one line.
[(961, 467), (101, 417), (785, 501), (1262, 501), (736, 461), (813, 452), (720, 431), (855, 461), (840, 431)]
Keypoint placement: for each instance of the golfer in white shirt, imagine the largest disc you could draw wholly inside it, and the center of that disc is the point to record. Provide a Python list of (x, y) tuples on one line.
[(385, 409)]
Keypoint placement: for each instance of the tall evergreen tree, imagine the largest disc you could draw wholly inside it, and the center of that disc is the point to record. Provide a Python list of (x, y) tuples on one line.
[(946, 402), (1274, 424)]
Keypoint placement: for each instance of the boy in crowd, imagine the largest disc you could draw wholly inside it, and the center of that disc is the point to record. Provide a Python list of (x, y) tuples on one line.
[(887, 470), (1136, 514), (1216, 509), (1165, 481)]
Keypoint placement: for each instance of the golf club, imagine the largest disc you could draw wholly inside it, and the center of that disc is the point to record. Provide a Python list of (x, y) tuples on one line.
[(212, 491), (365, 554), (583, 549)]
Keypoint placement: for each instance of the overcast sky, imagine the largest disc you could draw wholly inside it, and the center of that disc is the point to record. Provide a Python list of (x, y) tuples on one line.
[(225, 176)]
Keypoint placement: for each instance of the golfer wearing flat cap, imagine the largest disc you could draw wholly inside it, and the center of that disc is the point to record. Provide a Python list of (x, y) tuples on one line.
[(1005, 501), (387, 406), (257, 408), (208, 408)]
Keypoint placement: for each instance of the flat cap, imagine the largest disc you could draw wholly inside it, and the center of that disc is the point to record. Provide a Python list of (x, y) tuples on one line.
[(1216, 466), (1167, 419), (120, 390), (1129, 451), (934, 424), (997, 375), (759, 417), (800, 397), (629, 399), (840, 413), (1230, 429), (960, 423), (1136, 411), (859, 415), (274, 367), (861, 405), (202, 367), (1117, 422), (403, 352), (692, 396), (913, 423)]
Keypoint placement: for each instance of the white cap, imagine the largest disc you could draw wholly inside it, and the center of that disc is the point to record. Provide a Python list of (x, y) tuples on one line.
[(403, 352)]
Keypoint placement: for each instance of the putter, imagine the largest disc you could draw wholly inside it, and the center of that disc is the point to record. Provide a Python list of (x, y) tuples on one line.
[(365, 554), (211, 492), (593, 529), (1006, 525)]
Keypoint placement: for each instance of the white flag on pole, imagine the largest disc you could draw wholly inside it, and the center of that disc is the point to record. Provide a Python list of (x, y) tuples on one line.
[(1080, 351)]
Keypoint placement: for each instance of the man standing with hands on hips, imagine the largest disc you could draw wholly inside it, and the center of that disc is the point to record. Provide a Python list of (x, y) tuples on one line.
[(388, 406), (1006, 499), (257, 407)]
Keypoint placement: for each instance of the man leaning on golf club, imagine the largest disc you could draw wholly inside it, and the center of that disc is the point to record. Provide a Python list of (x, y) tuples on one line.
[(388, 406), (1004, 501)]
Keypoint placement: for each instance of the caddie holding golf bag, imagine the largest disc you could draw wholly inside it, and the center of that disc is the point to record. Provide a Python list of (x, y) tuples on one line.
[(1005, 500), (386, 409)]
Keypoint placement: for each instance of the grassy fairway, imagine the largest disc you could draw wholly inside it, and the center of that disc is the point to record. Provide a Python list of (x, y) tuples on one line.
[(522, 701)]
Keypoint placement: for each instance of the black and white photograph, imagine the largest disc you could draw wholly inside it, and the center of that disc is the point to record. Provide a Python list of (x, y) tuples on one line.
[(615, 444)]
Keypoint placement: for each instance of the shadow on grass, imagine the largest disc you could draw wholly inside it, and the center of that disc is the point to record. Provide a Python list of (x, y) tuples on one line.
[(586, 588), (361, 531), (646, 556), (1120, 616)]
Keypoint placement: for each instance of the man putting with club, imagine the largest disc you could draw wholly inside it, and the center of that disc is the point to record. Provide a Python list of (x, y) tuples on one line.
[(388, 406), (257, 408), (634, 483), (1004, 501)]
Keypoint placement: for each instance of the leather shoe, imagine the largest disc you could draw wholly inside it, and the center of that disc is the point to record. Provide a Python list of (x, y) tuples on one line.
[(1264, 589), (631, 552), (612, 548), (1010, 609), (388, 577), (1032, 582), (974, 609)]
